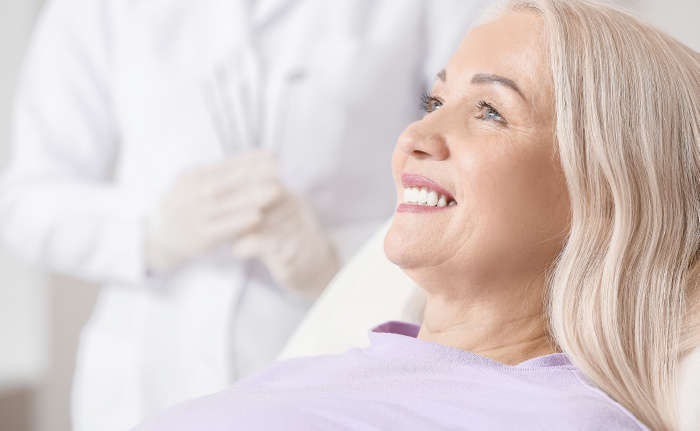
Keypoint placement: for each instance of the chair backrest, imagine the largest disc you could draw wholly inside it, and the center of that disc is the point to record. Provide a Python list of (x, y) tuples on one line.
[(690, 392)]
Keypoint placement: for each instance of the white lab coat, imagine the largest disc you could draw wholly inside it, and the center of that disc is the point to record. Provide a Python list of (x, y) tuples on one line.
[(113, 106)]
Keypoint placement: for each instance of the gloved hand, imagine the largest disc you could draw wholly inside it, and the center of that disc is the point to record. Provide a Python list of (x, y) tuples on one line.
[(209, 206), (292, 245)]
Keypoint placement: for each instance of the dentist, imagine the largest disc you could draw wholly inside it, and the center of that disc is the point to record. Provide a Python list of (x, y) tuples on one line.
[(210, 164)]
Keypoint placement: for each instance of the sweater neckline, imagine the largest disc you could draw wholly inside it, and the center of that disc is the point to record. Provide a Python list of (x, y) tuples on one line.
[(400, 338)]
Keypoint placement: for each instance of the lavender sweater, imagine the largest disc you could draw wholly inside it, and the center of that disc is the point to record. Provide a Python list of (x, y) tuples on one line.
[(404, 383)]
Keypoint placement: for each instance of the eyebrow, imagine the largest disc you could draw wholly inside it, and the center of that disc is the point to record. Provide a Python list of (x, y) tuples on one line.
[(488, 78), (442, 75)]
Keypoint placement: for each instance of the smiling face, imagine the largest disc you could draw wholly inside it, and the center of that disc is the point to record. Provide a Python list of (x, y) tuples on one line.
[(486, 142)]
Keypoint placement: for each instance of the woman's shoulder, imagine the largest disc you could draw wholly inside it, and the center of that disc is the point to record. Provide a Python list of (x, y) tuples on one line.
[(225, 411), (295, 393), (264, 400), (304, 369)]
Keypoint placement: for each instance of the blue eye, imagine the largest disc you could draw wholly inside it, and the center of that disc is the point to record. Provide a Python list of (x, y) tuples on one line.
[(488, 112), (430, 103)]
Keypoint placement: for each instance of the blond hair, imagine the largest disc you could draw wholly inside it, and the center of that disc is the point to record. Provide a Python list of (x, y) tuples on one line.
[(624, 295)]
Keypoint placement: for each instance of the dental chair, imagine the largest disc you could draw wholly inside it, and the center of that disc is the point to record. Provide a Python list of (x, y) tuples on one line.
[(371, 290)]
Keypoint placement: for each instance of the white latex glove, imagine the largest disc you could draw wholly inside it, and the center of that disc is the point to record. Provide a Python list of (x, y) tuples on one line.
[(292, 245), (209, 206)]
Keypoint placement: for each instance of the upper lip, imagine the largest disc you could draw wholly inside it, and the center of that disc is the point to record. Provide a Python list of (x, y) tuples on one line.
[(415, 180)]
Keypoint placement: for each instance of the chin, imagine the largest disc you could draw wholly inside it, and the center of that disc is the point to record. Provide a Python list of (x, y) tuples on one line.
[(400, 248)]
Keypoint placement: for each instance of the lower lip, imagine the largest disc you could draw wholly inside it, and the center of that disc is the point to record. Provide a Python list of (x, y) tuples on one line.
[(411, 208)]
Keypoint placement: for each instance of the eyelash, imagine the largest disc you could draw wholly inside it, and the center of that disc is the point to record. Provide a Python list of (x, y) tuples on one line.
[(427, 102), (489, 110), (428, 105)]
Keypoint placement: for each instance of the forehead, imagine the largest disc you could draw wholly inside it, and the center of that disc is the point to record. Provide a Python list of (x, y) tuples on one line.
[(511, 46)]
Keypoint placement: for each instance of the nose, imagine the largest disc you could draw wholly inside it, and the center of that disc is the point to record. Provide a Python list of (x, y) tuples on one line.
[(420, 143)]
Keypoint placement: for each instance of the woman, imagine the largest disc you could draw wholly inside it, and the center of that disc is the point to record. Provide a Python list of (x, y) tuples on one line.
[(551, 211)]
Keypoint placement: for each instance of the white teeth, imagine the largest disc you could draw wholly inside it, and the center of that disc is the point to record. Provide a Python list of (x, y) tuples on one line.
[(423, 196), (413, 195), (432, 198)]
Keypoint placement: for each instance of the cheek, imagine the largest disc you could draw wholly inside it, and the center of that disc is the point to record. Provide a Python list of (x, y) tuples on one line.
[(518, 203)]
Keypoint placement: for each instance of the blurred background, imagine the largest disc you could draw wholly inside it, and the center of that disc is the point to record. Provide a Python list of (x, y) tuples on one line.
[(41, 314)]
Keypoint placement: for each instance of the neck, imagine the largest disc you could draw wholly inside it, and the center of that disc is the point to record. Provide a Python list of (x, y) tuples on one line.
[(505, 328)]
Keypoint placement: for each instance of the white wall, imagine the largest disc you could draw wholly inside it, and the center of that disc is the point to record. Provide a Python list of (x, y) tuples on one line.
[(679, 18)]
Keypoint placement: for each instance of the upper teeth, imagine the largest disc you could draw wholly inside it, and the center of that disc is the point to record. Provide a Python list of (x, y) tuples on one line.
[(423, 196)]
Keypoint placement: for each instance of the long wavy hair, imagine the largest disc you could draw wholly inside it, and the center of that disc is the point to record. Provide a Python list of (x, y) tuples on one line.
[(624, 293)]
